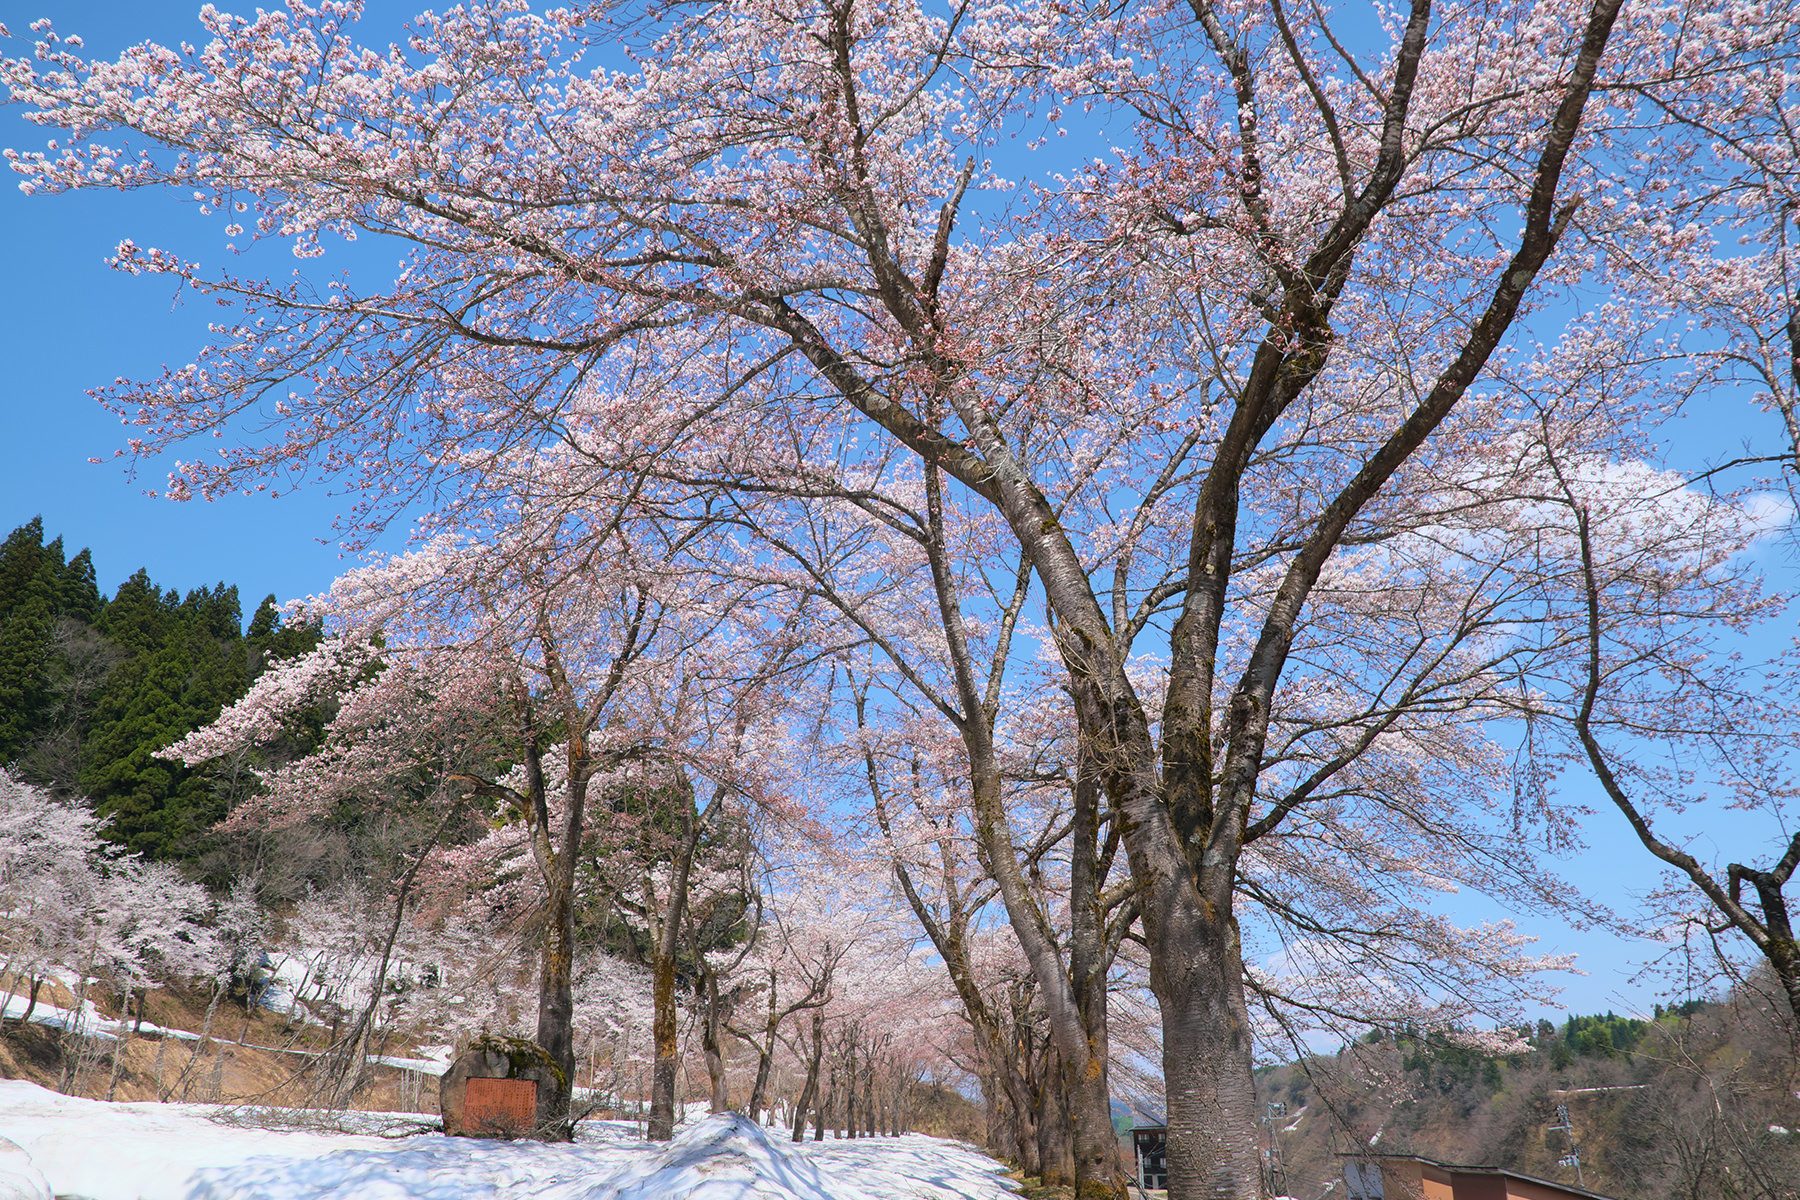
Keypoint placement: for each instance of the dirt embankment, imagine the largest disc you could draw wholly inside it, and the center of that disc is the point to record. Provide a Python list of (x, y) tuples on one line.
[(248, 1056)]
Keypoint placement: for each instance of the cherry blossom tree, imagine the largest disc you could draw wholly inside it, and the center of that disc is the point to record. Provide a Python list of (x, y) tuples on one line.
[(687, 902), (485, 667), (75, 904), (1724, 281), (46, 871), (75, 908), (1717, 259), (1657, 694), (1182, 396), (817, 917), (914, 776)]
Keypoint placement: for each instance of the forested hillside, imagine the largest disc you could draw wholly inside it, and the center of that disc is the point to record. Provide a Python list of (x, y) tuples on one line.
[(92, 686), (1697, 1102)]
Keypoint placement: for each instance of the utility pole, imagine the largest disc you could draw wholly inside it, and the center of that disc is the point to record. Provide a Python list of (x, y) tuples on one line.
[(1277, 1170), (1573, 1157)]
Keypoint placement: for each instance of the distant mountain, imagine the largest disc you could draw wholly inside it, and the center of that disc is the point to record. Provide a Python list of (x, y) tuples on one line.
[(1698, 1101)]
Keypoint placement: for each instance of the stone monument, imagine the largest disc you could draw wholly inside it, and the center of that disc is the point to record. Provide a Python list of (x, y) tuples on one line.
[(499, 1088)]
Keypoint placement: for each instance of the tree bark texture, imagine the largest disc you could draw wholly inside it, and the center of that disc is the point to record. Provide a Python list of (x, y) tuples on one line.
[(1056, 1155)]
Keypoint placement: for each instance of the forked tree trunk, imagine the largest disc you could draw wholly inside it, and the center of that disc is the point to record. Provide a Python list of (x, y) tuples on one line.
[(809, 1092), (558, 850), (718, 1098), (997, 1144), (1024, 1113), (37, 982)]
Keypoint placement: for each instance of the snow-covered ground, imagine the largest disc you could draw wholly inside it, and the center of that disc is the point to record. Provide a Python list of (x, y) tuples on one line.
[(63, 1147)]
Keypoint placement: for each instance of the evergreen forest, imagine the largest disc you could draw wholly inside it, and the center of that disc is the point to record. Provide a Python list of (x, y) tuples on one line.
[(91, 686)]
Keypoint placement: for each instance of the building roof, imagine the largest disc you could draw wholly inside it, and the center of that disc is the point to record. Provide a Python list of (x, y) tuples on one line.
[(1568, 1189)]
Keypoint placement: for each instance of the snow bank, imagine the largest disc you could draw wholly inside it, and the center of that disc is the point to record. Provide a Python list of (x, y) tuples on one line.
[(729, 1157), (86, 1148), (19, 1177)]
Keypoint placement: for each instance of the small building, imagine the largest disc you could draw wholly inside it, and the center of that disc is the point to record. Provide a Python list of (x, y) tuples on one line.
[(1150, 1144), (1409, 1177)]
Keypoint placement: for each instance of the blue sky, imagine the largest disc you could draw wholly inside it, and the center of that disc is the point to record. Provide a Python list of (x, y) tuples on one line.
[(70, 324)]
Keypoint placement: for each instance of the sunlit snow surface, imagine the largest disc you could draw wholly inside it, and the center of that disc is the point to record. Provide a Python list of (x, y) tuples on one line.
[(84, 1148)]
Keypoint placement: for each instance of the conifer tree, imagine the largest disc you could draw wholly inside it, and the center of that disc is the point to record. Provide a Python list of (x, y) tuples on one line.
[(78, 593), (187, 660), (91, 688), (30, 574)]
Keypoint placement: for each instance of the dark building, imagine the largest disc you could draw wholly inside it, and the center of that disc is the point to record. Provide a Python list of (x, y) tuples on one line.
[(1151, 1145)]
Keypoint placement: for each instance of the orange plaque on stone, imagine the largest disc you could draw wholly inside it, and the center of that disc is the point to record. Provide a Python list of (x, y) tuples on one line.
[(500, 1107)]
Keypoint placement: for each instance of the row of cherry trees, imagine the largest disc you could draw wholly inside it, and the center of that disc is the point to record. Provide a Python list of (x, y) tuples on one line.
[(95, 923), (1203, 553)]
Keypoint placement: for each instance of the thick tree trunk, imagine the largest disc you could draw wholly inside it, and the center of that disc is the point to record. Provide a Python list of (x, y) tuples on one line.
[(556, 994), (1780, 949), (997, 1143), (661, 1126), (1023, 1104), (1056, 1157), (1097, 1166), (1211, 1094), (1790, 983)]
